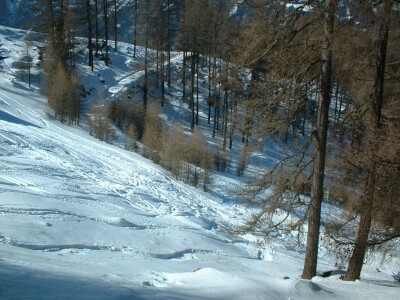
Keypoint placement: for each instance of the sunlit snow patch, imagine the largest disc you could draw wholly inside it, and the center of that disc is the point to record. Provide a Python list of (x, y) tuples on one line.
[(202, 278)]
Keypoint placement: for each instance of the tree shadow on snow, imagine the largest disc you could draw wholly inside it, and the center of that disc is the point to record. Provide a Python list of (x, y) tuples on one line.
[(13, 119), (18, 282)]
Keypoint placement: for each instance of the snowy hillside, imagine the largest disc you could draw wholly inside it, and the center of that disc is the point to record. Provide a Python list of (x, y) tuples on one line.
[(82, 219)]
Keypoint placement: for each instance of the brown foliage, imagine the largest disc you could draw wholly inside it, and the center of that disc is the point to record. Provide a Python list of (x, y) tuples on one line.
[(100, 125), (153, 131)]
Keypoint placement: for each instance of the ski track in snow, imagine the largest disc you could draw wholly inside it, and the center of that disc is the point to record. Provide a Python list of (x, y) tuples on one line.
[(72, 206), (102, 168)]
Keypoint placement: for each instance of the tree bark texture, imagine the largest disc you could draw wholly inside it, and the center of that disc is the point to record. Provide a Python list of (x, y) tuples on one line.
[(311, 258), (372, 144)]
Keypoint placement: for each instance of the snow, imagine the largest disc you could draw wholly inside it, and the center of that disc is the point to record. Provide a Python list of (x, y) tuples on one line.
[(82, 219)]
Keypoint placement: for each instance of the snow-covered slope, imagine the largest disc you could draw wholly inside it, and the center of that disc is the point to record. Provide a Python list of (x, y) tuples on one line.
[(82, 219)]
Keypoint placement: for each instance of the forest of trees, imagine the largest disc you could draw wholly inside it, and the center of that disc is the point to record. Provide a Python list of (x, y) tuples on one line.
[(320, 77)]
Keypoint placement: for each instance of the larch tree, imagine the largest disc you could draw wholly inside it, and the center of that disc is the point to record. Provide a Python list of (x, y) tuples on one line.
[(320, 137), (88, 9), (96, 26), (135, 25), (100, 125), (153, 132), (115, 24), (106, 30), (293, 50), (169, 40), (373, 122), (146, 24)]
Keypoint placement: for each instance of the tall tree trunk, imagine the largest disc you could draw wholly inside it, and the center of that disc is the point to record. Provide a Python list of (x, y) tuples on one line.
[(105, 12), (303, 124), (248, 122), (225, 119), (311, 258), (197, 88), (192, 73), (234, 113), (62, 9), (96, 12), (216, 105), (169, 41), (157, 67), (357, 258), (209, 103), (28, 58), (335, 119), (184, 75), (219, 94), (135, 29), (146, 56), (162, 78), (53, 23), (90, 43), (115, 25)]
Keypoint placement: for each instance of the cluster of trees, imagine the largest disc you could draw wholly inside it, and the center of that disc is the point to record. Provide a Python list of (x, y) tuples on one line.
[(57, 21), (62, 22), (322, 76), (187, 156), (344, 52), (24, 65)]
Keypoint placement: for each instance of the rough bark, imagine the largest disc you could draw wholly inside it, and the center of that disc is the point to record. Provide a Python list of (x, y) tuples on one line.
[(311, 258), (357, 258)]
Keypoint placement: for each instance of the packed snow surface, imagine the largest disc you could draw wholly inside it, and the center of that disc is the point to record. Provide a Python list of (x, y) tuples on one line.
[(82, 219)]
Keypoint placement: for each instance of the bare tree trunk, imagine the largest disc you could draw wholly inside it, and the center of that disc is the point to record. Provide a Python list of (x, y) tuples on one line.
[(197, 88), (53, 24), (157, 67), (234, 113), (162, 79), (209, 103), (146, 58), (357, 258), (335, 119), (216, 105), (225, 119), (115, 25), (96, 28), (169, 41), (311, 258), (219, 94), (135, 29), (105, 12), (303, 124), (341, 96), (192, 73), (184, 75), (248, 122), (62, 9), (28, 58), (90, 44)]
